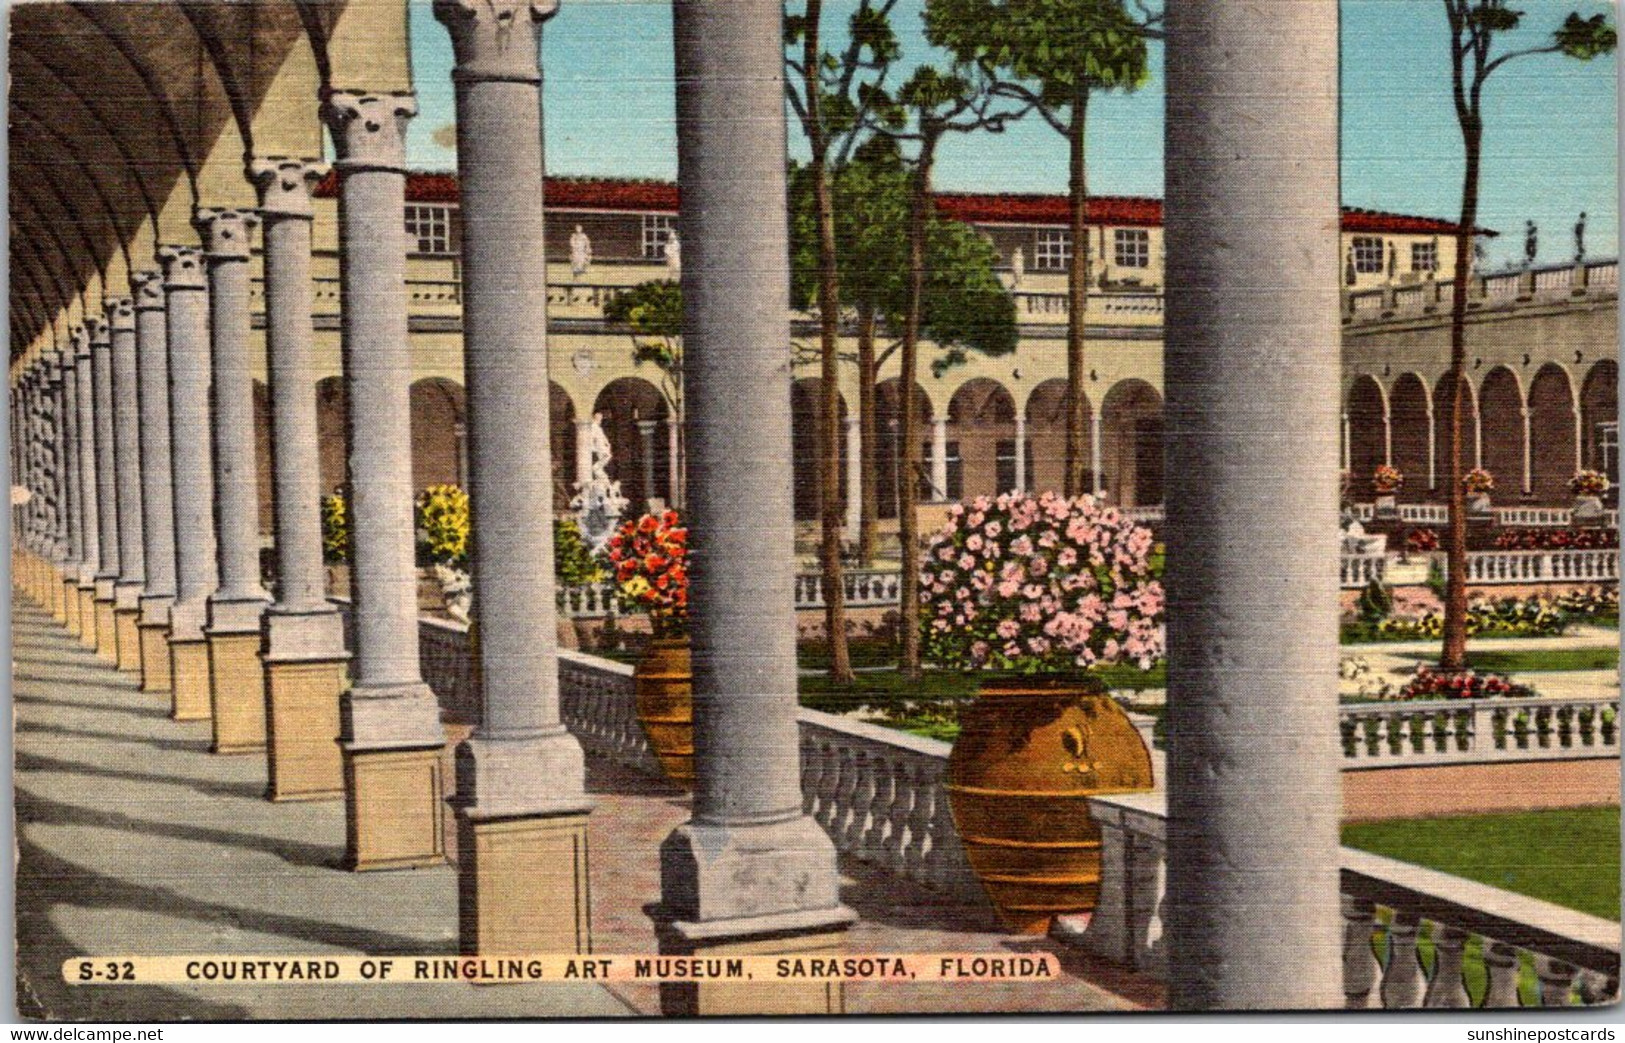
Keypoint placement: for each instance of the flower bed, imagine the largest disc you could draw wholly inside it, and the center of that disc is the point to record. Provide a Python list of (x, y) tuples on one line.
[(1506, 617), (1429, 683), (1421, 541), (1557, 539)]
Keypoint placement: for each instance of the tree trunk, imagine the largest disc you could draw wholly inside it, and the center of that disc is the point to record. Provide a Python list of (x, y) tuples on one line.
[(1077, 286), (868, 482), (908, 481), (1453, 656)]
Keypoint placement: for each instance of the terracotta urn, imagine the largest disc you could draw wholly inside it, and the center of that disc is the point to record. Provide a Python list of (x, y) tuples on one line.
[(664, 683), (1030, 752)]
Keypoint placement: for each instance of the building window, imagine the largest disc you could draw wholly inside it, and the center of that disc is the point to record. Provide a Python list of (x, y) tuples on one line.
[(1367, 254), (1608, 449), (1132, 247), (432, 230), (1054, 250), (656, 227), (1425, 257)]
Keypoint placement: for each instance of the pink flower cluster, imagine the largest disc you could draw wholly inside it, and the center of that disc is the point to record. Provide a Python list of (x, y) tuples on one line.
[(1040, 584)]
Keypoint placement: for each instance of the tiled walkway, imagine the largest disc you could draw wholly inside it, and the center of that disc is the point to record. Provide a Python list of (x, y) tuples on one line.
[(133, 838)]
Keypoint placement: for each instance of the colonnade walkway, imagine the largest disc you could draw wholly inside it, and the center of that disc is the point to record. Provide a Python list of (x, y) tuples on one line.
[(134, 839)]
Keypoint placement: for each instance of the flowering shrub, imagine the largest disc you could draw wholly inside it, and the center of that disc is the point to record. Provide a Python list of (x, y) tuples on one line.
[(1422, 541), (1478, 481), (442, 526), (1557, 539), (650, 559), (1387, 479), (335, 529), (1592, 605), (1589, 483), (574, 564), (1507, 617), (1040, 584), (1429, 683)]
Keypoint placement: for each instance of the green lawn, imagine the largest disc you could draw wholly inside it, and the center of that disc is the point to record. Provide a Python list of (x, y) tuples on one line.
[(1567, 857), (1523, 660)]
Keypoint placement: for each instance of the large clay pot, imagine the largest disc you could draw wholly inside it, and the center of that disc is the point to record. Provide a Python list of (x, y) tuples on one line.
[(1030, 751), (664, 681)]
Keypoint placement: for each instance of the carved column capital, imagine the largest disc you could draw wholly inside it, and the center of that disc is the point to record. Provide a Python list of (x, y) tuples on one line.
[(52, 361), (183, 267), (284, 184), (80, 337), (148, 287), (369, 130), (227, 232), (495, 39), (120, 314), (100, 333)]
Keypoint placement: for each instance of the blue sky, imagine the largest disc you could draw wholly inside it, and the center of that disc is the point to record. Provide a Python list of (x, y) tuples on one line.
[(1550, 147)]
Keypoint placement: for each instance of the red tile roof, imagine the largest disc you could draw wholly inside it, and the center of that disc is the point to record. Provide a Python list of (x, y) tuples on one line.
[(573, 193)]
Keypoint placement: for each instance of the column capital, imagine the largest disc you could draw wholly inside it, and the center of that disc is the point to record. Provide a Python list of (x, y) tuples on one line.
[(52, 360), (148, 287), (80, 337), (183, 267), (369, 130), (284, 184), (100, 333), (120, 314), (227, 232), (495, 39)]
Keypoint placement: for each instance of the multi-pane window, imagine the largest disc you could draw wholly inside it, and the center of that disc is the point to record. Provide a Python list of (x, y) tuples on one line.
[(431, 229), (1367, 254), (1131, 247), (1053, 251), (1425, 257), (656, 227), (1608, 449), (1005, 461)]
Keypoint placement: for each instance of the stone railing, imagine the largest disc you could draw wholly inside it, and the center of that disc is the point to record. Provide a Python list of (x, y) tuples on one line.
[(1356, 570), (1054, 306), (1512, 517), (1149, 514), (1545, 284), (1424, 513), (864, 588), (592, 601), (1491, 567), (1575, 956), (1413, 734), (599, 705), (448, 667)]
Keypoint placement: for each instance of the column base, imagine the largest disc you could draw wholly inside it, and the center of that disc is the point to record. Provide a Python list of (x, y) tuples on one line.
[(106, 630), (522, 884), (392, 810), (87, 616), (154, 641), (59, 599), (787, 935), (236, 692), (303, 760), (70, 605), (189, 679), (127, 639)]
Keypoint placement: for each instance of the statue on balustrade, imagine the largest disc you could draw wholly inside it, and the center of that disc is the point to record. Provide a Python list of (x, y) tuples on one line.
[(580, 252)]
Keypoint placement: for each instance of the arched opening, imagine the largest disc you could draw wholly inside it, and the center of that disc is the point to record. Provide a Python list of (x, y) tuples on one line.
[(1368, 444), (439, 438), (634, 416), (1046, 437), (1411, 432), (331, 417), (561, 423), (1131, 443), (1441, 432), (1500, 404), (1554, 451), (888, 448), (1599, 416), (981, 440), (806, 447)]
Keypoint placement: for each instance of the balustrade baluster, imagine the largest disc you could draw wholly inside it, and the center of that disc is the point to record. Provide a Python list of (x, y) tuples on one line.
[(1556, 981), (872, 848), (1501, 967), (812, 772), (1360, 964), (1402, 979), (902, 806), (844, 810), (863, 796), (828, 785), (1446, 989), (916, 864)]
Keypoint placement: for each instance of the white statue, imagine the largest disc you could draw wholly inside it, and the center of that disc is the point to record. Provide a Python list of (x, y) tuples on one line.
[(580, 252), (674, 252), (457, 587), (598, 502), (1018, 267)]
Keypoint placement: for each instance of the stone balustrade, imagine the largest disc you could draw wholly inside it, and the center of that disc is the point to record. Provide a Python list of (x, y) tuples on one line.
[(864, 588), (1149, 514), (591, 601), (598, 704), (1355, 571), (1385, 906), (1546, 284), (1510, 517), (1493, 567), (1413, 734)]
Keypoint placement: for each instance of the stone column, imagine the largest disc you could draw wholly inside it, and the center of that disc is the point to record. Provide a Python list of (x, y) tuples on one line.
[(132, 576), (1347, 449), (583, 452), (748, 872), (89, 487), (76, 526), (390, 730), (1099, 480), (521, 782), (854, 476), (1254, 796), (1528, 483), (1387, 434), (674, 461), (303, 638), (192, 465), (1433, 473), (939, 459), (1021, 454), (646, 434), (236, 682), (157, 503), (59, 488), (107, 566), (1478, 437)]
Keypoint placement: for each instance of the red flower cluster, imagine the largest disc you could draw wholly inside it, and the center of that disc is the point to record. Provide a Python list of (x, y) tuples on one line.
[(1422, 541), (650, 558), (1427, 683), (1557, 539)]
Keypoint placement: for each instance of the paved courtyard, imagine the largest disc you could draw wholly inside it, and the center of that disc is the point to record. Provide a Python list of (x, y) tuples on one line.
[(133, 838)]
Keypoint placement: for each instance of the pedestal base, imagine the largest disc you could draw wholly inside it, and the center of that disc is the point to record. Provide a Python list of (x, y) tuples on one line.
[(522, 884), (154, 640), (106, 632), (127, 639), (392, 807), (87, 616), (303, 760), (70, 606), (59, 598), (732, 999), (189, 679), (237, 692)]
